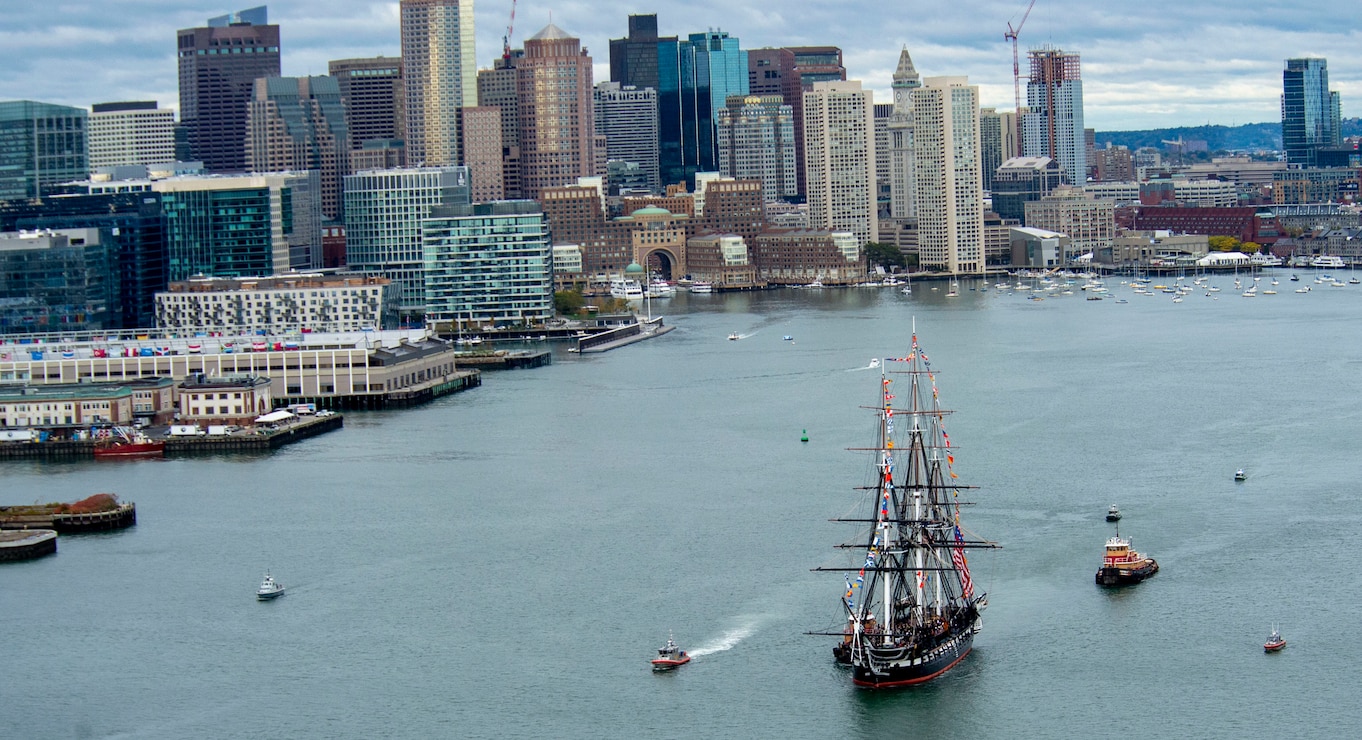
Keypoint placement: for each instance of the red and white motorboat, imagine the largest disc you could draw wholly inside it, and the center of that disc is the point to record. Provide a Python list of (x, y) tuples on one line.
[(1275, 642), (670, 656)]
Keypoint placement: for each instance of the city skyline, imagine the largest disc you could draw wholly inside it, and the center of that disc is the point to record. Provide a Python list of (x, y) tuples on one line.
[(1156, 65)]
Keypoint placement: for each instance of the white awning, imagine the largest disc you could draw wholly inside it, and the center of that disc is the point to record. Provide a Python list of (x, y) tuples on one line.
[(273, 416)]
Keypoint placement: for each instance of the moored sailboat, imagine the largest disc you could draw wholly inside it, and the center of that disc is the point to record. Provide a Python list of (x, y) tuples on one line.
[(912, 611)]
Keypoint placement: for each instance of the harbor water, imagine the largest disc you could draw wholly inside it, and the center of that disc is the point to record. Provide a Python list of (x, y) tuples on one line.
[(504, 562)]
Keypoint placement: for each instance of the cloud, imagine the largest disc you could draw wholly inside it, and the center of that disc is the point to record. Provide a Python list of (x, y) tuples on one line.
[(1145, 65)]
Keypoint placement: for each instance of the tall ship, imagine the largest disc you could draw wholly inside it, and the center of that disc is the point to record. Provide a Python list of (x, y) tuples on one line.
[(911, 611)]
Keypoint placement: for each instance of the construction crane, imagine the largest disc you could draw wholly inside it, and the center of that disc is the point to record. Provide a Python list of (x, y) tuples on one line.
[(506, 40), (1179, 143), (1011, 35)]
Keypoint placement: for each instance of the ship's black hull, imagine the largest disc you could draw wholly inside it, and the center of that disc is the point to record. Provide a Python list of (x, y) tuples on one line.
[(891, 668), (1125, 576)]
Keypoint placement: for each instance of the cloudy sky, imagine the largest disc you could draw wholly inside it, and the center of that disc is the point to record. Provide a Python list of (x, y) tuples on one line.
[(1145, 65)]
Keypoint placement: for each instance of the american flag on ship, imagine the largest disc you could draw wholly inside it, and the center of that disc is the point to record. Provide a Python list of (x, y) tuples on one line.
[(958, 557)]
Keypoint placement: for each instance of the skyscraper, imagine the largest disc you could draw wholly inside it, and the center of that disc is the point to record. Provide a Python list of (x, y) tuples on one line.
[(627, 117), (788, 72), (756, 142), (375, 99), (41, 145), (997, 142), (219, 65), (299, 123), (902, 191), (557, 127), (497, 89), (1311, 112), (839, 158), (949, 196), (693, 79), (137, 132), (440, 68), (1053, 126)]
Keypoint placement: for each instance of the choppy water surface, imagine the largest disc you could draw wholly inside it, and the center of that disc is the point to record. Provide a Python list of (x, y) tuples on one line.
[(504, 562)]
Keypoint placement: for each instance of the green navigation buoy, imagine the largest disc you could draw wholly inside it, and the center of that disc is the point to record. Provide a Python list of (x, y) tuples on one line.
[(804, 435)]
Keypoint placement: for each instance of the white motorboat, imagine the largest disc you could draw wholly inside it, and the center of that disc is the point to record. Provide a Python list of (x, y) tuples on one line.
[(269, 589), (701, 287), (627, 289)]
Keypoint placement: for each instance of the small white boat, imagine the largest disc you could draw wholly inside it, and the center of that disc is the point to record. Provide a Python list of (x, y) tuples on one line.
[(701, 287), (734, 337), (1240, 475), (269, 589), (788, 338)]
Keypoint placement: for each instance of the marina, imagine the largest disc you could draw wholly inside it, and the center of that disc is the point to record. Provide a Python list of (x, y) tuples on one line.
[(678, 495)]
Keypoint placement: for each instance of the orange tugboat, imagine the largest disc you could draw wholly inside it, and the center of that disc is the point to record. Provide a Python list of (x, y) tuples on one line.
[(1122, 566)]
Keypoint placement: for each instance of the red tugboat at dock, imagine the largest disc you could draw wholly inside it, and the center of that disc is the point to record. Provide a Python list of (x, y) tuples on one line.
[(124, 442), (1122, 566), (670, 656)]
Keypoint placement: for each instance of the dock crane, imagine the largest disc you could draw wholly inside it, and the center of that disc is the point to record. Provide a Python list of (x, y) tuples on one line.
[(506, 40), (1011, 35)]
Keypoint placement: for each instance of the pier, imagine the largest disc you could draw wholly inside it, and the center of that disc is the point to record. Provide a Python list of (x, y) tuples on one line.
[(505, 360), (623, 336), (32, 517), (27, 544)]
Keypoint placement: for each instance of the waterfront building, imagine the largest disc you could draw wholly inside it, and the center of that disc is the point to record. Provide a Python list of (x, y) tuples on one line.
[(440, 75), (383, 212), (68, 406), (131, 133), (803, 256), (721, 260), (375, 99), (997, 142), (998, 239), (757, 142), (1032, 247), (651, 237), (56, 280), (364, 369), (1245, 223), (129, 223), (41, 145), (1089, 223), (299, 123), (557, 128), (568, 267), (482, 152), (899, 135), (241, 225), (1021, 180), (218, 66), (839, 158), (278, 305), (488, 263), (239, 399), (1053, 124), (1152, 247), (627, 117), (1311, 112), (950, 207)]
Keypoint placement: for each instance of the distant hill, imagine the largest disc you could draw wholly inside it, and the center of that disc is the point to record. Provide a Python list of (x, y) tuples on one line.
[(1249, 137)]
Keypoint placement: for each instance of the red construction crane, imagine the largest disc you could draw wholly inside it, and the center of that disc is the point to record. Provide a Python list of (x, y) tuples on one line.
[(1011, 35), (506, 40)]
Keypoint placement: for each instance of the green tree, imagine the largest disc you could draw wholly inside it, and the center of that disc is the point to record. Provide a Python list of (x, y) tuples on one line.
[(1250, 247), (568, 301), (887, 256)]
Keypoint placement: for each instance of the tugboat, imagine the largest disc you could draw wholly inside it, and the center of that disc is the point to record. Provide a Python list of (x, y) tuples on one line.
[(669, 656), (1240, 475), (1123, 566), (1274, 642), (912, 612), (269, 589), (1113, 514)]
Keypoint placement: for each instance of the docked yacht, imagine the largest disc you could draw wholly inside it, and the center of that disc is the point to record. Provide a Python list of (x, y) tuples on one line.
[(627, 289)]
